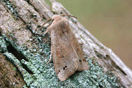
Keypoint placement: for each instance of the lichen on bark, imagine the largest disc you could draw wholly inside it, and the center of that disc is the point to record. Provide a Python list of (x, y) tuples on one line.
[(29, 52)]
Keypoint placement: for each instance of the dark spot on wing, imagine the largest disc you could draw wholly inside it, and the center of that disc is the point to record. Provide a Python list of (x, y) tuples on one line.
[(77, 49), (64, 67), (62, 56), (84, 60), (63, 32), (80, 60)]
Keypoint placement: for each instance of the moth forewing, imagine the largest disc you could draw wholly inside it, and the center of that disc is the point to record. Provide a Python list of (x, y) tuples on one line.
[(82, 63), (67, 53)]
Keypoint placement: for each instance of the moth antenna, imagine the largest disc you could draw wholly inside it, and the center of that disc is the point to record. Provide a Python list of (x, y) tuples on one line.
[(68, 15), (45, 23)]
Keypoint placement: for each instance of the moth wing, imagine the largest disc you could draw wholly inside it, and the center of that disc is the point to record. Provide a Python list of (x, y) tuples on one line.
[(82, 64), (64, 58)]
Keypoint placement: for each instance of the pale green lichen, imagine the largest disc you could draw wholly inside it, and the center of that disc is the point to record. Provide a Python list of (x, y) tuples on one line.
[(36, 75), (12, 8), (3, 47)]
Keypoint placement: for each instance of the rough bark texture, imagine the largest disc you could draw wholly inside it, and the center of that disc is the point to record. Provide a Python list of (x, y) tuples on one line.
[(20, 21)]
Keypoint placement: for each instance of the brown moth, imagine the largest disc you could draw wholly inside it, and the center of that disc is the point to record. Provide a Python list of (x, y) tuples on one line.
[(67, 53)]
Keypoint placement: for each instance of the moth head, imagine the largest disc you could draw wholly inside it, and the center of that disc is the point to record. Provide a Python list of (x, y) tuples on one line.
[(56, 18)]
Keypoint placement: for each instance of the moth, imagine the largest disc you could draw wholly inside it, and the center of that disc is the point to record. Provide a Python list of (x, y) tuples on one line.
[(65, 49)]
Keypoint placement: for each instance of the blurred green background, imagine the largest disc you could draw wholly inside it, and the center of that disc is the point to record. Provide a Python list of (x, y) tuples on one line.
[(110, 21)]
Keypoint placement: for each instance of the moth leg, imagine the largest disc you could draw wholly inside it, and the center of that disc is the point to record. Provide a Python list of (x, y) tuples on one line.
[(50, 56), (49, 60), (47, 30)]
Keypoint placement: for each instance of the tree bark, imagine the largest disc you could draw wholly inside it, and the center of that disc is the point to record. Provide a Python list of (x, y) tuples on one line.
[(20, 21)]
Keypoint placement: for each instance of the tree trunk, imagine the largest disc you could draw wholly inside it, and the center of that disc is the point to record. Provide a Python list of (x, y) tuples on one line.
[(20, 21)]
